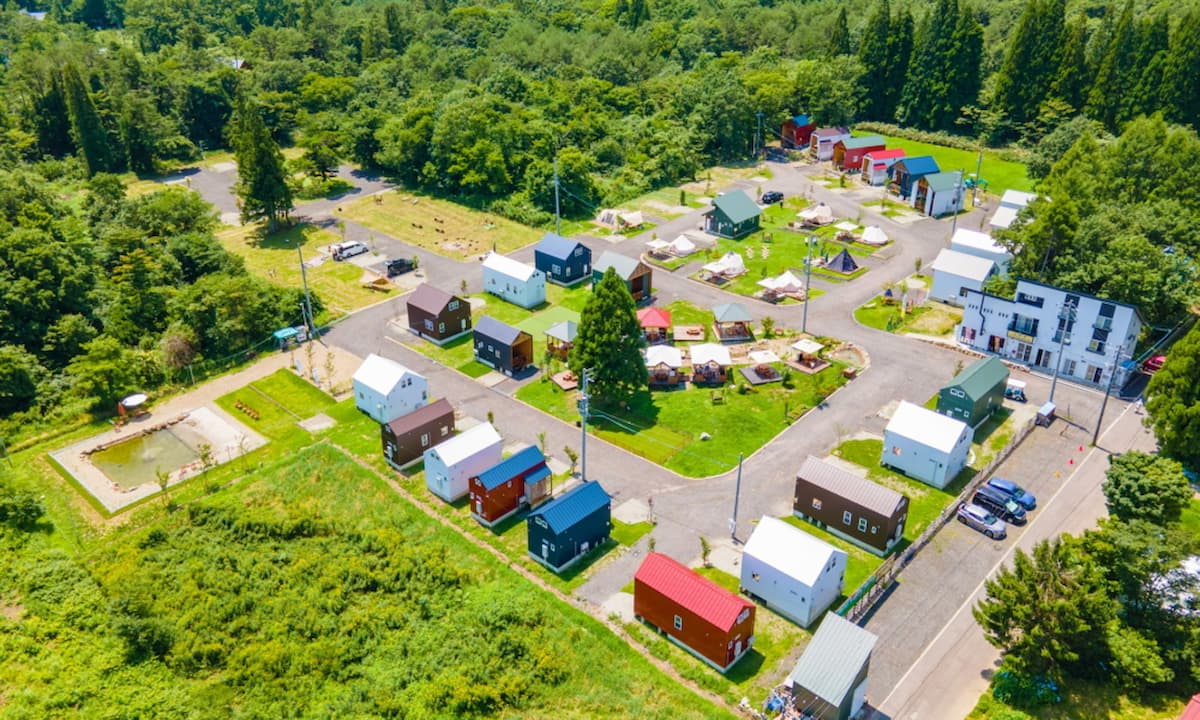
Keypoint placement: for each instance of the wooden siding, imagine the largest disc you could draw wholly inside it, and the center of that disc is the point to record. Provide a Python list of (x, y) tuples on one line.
[(831, 516), (696, 634)]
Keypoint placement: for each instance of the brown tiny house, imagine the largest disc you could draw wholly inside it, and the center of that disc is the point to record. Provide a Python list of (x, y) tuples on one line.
[(407, 437), (437, 315), (855, 508), (513, 483)]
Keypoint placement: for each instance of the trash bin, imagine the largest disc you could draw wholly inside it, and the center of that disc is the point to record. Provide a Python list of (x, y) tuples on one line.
[(1045, 415)]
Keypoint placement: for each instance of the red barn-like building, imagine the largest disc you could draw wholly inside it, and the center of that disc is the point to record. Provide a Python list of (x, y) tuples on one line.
[(506, 487), (796, 131), (704, 618)]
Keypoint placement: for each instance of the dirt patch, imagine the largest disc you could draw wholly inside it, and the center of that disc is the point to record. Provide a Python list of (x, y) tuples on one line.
[(12, 611), (849, 354), (938, 320)]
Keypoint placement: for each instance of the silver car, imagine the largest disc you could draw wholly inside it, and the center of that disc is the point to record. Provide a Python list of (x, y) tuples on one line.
[(974, 516)]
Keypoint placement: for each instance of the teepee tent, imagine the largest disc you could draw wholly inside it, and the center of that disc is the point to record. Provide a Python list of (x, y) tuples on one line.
[(842, 263)]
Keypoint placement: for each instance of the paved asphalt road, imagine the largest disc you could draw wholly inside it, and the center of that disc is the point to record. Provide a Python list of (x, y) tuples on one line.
[(901, 368)]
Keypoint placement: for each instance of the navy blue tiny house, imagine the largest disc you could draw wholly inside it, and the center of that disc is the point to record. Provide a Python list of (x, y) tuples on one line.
[(502, 346), (566, 528), (564, 261)]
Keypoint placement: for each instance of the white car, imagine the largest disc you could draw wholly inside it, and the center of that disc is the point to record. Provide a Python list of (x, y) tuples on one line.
[(348, 249)]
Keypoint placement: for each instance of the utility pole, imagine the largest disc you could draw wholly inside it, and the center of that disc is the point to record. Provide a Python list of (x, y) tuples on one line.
[(307, 309), (975, 187), (557, 212), (758, 134), (957, 200), (1112, 376), (583, 412), (807, 280), (1067, 314), (737, 491)]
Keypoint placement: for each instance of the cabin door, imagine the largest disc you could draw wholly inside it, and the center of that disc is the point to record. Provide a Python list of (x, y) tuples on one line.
[(737, 649), (479, 507), (545, 550)]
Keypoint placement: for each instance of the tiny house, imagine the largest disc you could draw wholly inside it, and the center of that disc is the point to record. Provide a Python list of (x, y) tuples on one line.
[(520, 284), (450, 465), (436, 315), (794, 573), (502, 346), (562, 531), (975, 393), (406, 438), (508, 486), (853, 508), (830, 679), (924, 445), (564, 261), (385, 390)]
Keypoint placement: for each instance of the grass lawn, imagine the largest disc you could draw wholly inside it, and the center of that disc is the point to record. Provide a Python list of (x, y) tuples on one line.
[(281, 400), (273, 258), (416, 219), (1085, 700), (537, 325), (673, 263), (1001, 174), (665, 426), (1190, 519), (629, 533), (932, 318)]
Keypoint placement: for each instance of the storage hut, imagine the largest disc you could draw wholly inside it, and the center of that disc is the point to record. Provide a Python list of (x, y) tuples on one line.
[(975, 393), (436, 315), (733, 215), (792, 572), (830, 679), (956, 273), (520, 284), (695, 613), (924, 445), (407, 437), (861, 511), (502, 346), (450, 465), (385, 390), (564, 261), (563, 530), (635, 273), (511, 484)]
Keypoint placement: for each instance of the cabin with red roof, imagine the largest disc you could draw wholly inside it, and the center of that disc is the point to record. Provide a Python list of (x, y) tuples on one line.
[(656, 324), (694, 612), (1192, 711), (877, 165)]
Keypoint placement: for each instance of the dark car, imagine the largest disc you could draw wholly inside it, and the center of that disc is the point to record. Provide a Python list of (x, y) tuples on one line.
[(982, 520), (1014, 491), (399, 266), (998, 502), (771, 197)]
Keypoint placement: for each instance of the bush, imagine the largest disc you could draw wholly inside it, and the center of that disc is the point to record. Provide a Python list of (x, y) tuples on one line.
[(959, 142), (1013, 689)]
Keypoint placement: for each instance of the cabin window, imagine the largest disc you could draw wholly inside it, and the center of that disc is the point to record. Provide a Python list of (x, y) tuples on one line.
[(874, 529), (816, 504), (441, 327), (556, 269), (429, 325), (578, 251), (424, 439), (847, 518), (452, 305), (862, 524), (678, 623), (445, 430), (755, 576), (896, 450)]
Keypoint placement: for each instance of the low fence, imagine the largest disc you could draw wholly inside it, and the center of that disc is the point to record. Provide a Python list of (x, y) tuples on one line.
[(874, 587)]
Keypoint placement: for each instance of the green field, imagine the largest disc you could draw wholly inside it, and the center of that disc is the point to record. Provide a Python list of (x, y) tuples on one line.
[(1083, 700), (1001, 174)]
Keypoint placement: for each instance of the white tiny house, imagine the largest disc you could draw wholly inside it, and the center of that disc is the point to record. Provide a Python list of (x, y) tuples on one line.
[(925, 445), (450, 466), (386, 390), (794, 573), (514, 281)]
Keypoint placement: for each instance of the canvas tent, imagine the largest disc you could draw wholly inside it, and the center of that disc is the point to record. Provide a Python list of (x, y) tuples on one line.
[(842, 263), (785, 283), (820, 214), (873, 235), (659, 247), (681, 246), (730, 265)]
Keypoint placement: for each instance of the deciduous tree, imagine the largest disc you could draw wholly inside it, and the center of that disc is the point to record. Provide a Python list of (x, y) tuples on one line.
[(1139, 486), (1174, 401)]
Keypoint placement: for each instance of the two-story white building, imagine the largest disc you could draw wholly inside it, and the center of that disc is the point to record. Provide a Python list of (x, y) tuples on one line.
[(1094, 335)]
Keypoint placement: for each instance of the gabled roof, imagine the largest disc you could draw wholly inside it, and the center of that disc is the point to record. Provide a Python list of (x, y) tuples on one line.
[(920, 165), (1016, 199), (833, 659), (556, 246), (705, 353), (888, 154), (831, 131), (1004, 217), (961, 264), (980, 376), (683, 586), (925, 426), (801, 120), (507, 266), (731, 312), (510, 467), (466, 444), (964, 238), (790, 550), (944, 181), (496, 330), (863, 141), (654, 317), (405, 424), (572, 506), (668, 355), (566, 331), (623, 265), (858, 490), (380, 374), (430, 299), (1192, 711), (737, 206)]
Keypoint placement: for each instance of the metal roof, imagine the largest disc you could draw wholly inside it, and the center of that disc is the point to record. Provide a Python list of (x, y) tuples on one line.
[(415, 419), (964, 265), (980, 377), (381, 374), (858, 490), (668, 355), (926, 427), (430, 299), (512, 466), (623, 265), (863, 141), (943, 181), (730, 312), (557, 246), (790, 550), (705, 353), (654, 317), (566, 331), (920, 165), (500, 332), (1004, 217), (831, 131), (1016, 199), (964, 238), (801, 120), (512, 268), (737, 206), (683, 586), (466, 444), (886, 154), (833, 659), (573, 506)]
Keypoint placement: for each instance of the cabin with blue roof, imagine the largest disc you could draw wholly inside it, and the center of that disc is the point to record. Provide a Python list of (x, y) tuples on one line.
[(565, 261), (518, 481), (563, 530), (797, 131), (906, 173)]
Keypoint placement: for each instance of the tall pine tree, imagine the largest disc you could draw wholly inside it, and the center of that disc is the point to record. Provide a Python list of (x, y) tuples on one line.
[(1074, 75), (839, 36), (1116, 75), (87, 130), (1181, 87), (262, 180), (1031, 62), (609, 342), (873, 54), (900, 53), (963, 66), (944, 76), (1151, 64)]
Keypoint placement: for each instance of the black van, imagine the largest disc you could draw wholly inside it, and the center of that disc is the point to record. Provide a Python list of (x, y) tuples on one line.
[(1001, 504)]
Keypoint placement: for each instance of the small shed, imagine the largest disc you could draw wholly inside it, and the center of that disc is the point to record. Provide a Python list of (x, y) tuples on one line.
[(975, 393), (796, 131), (792, 572), (848, 153), (520, 284), (956, 273), (830, 679), (436, 315), (980, 245), (854, 508), (560, 337), (877, 165), (385, 390), (511, 484), (695, 613), (564, 261), (822, 140), (924, 445), (663, 365), (710, 363), (939, 194), (731, 322), (842, 263), (407, 437), (636, 274), (906, 173), (502, 346), (563, 530), (656, 324), (733, 215), (450, 465)]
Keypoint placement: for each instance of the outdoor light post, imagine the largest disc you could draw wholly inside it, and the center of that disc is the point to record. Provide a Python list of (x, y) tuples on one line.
[(807, 280), (1112, 376), (1067, 314), (583, 413)]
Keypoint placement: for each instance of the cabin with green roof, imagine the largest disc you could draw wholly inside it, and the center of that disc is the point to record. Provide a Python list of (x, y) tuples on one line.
[(975, 393), (733, 215)]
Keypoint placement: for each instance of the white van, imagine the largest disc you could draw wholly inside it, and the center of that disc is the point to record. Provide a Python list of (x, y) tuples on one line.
[(348, 249)]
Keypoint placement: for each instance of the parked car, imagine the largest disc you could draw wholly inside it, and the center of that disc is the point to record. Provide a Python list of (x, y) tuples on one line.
[(999, 503), (399, 266), (976, 517), (348, 249), (771, 197), (1154, 364), (1014, 491)]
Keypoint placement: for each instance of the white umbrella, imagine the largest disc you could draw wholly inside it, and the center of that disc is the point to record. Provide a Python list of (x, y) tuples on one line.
[(134, 400)]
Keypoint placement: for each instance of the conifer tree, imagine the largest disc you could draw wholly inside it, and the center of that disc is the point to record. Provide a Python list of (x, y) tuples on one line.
[(609, 341), (962, 64), (1074, 76), (1115, 74), (1151, 67), (930, 94), (262, 180), (839, 36), (900, 52), (87, 130), (1030, 63), (52, 120), (1181, 86), (874, 54)]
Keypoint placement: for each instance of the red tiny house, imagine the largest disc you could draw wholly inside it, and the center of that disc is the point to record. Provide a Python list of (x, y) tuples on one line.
[(514, 483), (704, 618)]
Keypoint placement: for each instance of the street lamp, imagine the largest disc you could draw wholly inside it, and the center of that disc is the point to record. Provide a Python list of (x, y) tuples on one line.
[(807, 280), (1066, 317)]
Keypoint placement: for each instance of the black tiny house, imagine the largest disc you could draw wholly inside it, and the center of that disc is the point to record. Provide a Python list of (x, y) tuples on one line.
[(566, 528), (564, 261), (502, 346)]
